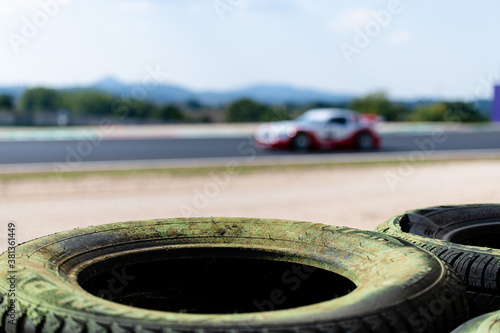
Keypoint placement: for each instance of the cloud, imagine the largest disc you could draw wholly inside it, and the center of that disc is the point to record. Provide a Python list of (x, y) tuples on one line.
[(351, 18), (135, 5), (308, 7), (400, 37), (5, 9), (16, 9)]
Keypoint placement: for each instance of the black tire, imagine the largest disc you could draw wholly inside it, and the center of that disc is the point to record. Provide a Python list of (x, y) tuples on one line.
[(302, 142), (465, 236), (365, 142), (397, 287), (487, 323)]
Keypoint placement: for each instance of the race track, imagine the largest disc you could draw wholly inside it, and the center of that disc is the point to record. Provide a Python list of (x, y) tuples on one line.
[(93, 150)]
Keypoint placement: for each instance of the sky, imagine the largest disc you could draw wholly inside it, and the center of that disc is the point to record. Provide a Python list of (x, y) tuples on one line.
[(407, 48)]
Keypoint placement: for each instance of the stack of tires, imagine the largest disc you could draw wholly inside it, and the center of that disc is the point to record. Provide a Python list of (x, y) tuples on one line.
[(423, 271), (466, 237)]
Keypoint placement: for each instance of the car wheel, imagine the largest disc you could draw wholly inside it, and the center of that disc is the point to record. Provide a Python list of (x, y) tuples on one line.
[(227, 275), (302, 142), (465, 236), (365, 142)]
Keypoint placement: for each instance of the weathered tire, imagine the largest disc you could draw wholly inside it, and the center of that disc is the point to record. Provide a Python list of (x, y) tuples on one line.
[(464, 236), (487, 323), (398, 287)]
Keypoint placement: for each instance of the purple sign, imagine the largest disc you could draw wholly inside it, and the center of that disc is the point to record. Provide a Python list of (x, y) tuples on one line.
[(495, 111)]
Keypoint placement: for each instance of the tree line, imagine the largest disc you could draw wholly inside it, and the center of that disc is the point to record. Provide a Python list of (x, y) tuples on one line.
[(91, 102), (97, 103)]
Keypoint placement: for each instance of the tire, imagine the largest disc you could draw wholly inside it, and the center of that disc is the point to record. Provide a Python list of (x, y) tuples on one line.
[(365, 142), (487, 323), (302, 142), (464, 236), (85, 280)]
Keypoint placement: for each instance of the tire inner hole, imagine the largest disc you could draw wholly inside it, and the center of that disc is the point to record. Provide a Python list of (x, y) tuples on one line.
[(214, 285), (483, 234)]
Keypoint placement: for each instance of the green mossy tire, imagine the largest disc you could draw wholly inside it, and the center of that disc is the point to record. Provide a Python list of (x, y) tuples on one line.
[(453, 233), (398, 287), (487, 323)]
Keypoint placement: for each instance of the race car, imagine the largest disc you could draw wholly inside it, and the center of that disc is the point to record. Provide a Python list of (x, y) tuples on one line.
[(325, 128)]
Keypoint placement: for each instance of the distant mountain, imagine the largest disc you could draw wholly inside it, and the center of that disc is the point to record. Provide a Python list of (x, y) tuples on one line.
[(109, 84), (274, 94), (15, 91), (264, 93), (271, 94), (155, 93)]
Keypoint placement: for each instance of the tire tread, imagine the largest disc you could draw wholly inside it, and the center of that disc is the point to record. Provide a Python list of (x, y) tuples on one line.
[(394, 320)]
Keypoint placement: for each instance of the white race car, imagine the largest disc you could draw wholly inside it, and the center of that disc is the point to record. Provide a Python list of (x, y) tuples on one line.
[(321, 129)]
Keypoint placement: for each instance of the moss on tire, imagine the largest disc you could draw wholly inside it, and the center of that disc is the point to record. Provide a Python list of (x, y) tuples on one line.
[(465, 236), (487, 323), (86, 280)]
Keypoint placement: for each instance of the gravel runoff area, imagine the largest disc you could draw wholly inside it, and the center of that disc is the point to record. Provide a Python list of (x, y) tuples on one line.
[(353, 196)]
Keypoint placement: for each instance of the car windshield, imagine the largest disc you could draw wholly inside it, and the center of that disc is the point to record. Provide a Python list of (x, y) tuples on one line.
[(315, 116)]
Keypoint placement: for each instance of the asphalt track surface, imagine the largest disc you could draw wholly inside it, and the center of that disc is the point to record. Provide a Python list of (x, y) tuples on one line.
[(94, 150)]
